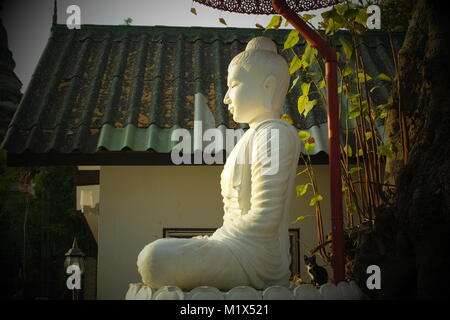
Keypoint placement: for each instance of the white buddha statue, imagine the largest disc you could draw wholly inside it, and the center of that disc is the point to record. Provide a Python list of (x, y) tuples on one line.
[(257, 183)]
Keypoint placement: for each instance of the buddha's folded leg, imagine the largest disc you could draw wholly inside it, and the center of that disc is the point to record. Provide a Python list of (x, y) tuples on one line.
[(188, 263)]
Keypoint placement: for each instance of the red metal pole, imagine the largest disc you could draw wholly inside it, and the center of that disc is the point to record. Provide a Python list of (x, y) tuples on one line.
[(329, 53)]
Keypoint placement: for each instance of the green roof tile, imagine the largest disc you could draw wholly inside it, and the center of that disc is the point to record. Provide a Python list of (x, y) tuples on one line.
[(128, 87)]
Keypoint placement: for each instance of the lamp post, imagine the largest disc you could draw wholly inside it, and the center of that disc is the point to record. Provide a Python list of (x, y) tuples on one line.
[(75, 257)]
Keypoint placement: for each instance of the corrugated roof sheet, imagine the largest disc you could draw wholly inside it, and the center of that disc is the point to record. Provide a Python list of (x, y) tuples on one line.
[(127, 87)]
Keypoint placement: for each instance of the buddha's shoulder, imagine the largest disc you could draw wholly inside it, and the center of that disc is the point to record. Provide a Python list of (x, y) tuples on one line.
[(282, 126)]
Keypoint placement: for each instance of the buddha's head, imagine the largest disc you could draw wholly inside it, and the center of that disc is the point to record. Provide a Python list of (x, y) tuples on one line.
[(258, 80)]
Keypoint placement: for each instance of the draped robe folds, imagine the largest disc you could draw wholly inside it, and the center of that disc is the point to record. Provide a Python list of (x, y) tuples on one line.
[(252, 246)]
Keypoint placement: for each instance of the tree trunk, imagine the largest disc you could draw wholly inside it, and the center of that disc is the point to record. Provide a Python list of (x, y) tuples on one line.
[(411, 238)]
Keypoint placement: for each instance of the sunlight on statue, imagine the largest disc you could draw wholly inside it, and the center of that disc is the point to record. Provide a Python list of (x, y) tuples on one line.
[(252, 246)]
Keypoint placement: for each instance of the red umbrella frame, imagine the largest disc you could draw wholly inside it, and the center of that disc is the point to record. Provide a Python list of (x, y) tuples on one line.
[(288, 9)]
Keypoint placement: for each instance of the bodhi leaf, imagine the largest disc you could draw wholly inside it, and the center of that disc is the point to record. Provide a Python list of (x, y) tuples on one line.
[(309, 147), (351, 14), (301, 189), (347, 47), (193, 11), (315, 199), (308, 55), (309, 106), (295, 65), (275, 22), (305, 88), (362, 16), (301, 104), (300, 218), (361, 77), (304, 135), (322, 84), (308, 17), (384, 77), (386, 150), (348, 150), (351, 208), (354, 169), (355, 111), (347, 71), (294, 83), (340, 9), (222, 21), (291, 40)]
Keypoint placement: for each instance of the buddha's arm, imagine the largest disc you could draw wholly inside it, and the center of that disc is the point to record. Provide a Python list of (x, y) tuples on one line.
[(269, 191)]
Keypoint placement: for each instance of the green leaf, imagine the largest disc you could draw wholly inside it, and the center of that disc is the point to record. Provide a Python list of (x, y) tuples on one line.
[(304, 135), (309, 106), (308, 17), (340, 9), (308, 55), (294, 83), (368, 135), (331, 27), (275, 22), (362, 16), (301, 189), (315, 199), (351, 208), (361, 77), (300, 218), (309, 147), (348, 150), (384, 77), (295, 64), (305, 88), (355, 111), (351, 14), (354, 169), (301, 104), (222, 21), (347, 47), (322, 84), (291, 40), (302, 172), (347, 71), (386, 150)]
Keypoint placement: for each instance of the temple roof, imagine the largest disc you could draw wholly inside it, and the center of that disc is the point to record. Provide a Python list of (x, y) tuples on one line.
[(119, 89)]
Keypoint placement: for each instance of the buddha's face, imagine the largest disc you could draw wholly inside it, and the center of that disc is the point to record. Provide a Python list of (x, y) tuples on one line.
[(245, 95)]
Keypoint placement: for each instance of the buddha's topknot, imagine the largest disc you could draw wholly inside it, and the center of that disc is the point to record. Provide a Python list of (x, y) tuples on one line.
[(261, 43)]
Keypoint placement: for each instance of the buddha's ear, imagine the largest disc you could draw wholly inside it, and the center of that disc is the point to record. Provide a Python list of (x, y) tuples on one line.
[(270, 85)]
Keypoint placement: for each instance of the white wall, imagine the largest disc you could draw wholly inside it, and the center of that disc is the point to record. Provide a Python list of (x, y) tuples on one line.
[(137, 202)]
